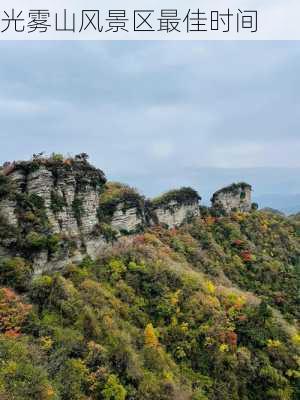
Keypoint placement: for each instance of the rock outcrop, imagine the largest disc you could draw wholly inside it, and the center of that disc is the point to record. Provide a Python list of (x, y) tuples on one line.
[(122, 208), (175, 207), (54, 211), (127, 219), (53, 196), (236, 197)]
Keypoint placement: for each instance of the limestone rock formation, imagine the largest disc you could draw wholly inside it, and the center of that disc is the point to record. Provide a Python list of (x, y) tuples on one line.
[(174, 207), (122, 208), (127, 219), (236, 197), (57, 210), (52, 196)]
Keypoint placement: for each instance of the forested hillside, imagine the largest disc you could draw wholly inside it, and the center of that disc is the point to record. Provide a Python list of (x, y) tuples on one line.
[(209, 310)]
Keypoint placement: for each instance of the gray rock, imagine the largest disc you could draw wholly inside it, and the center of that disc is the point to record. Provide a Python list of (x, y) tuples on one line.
[(7, 211), (175, 213), (74, 182), (236, 197), (128, 220)]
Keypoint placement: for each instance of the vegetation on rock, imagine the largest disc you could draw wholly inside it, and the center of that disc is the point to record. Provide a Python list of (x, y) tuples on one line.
[(233, 188), (114, 194), (184, 195)]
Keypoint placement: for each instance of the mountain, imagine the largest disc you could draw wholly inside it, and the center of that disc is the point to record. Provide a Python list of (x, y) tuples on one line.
[(286, 203), (107, 295)]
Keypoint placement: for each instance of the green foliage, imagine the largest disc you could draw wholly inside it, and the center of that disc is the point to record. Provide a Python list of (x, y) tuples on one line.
[(78, 209), (35, 241), (208, 311), (20, 376), (72, 379), (57, 157), (234, 188), (41, 288), (15, 272), (185, 195), (31, 213), (113, 194), (4, 186), (108, 232), (57, 202), (113, 390)]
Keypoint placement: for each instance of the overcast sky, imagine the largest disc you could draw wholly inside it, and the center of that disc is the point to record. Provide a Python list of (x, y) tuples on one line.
[(156, 114)]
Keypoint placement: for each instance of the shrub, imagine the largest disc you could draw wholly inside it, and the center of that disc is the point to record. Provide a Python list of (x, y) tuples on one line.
[(15, 272), (113, 390), (57, 157), (182, 196), (78, 209), (112, 195), (36, 241), (57, 202), (4, 186), (40, 289)]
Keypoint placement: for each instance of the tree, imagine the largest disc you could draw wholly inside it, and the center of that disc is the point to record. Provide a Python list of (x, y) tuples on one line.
[(150, 336), (113, 390)]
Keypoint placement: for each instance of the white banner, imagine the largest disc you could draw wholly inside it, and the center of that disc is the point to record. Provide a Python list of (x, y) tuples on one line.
[(150, 20)]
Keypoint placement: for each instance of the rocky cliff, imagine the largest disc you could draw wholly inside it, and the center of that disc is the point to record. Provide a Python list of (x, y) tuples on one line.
[(236, 197), (174, 207), (121, 208), (51, 199), (57, 210)]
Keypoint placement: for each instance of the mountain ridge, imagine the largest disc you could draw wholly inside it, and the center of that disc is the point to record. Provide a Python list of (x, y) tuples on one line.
[(191, 306)]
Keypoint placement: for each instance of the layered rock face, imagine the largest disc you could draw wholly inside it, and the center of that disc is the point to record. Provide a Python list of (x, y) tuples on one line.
[(54, 211), (65, 194), (175, 213), (236, 197), (127, 219), (175, 207)]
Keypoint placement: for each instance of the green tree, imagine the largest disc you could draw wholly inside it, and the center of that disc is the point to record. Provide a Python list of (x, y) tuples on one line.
[(113, 390)]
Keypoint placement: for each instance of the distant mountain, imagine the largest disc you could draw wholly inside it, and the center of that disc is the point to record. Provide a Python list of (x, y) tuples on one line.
[(272, 211), (286, 203)]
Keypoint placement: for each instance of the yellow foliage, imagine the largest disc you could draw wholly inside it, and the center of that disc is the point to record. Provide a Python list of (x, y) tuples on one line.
[(239, 216), (209, 287), (210, 220), (209, 341), (175, 298), (168, 375), (48, 393), (264, 227), (184, 327), (273, 343), (46, 343), (223, 348), (150, 336), (296, 339), (108, 321), (235, 301)]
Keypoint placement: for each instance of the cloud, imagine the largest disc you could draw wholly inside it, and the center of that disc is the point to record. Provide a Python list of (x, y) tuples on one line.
[(151, 108)]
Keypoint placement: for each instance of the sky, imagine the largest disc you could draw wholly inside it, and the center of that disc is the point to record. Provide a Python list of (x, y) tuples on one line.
[(159, 115)]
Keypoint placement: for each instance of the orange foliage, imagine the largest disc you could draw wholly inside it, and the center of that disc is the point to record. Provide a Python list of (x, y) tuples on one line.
[(210, 220), (12, 312), (139, 239), (246, 256), (68, 161), (229, 338)]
